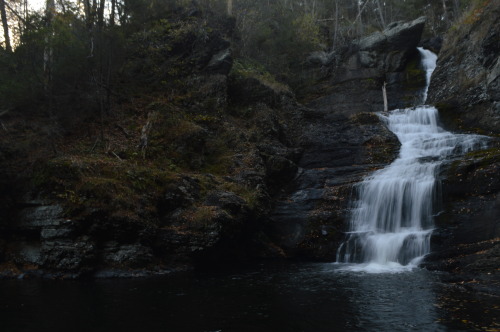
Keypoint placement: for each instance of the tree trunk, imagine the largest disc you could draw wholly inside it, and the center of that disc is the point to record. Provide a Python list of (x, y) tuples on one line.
[(381, 13), (87, 10), (445, 12), (112, 14), (360, 24), (100, 14), (5, 26), (230, 7), (50, 10), (335, 34), (63, 6), (89, 21), (384, 94), (47, 52), (94, 9)]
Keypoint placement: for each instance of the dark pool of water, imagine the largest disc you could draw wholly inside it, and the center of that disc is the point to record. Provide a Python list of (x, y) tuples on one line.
[(263, 297)]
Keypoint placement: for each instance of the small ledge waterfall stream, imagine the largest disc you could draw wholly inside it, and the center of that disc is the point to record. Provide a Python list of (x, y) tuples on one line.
[(392, 220)]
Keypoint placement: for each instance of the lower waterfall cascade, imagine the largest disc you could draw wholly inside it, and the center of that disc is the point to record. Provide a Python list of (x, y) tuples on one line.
[(392, 219)]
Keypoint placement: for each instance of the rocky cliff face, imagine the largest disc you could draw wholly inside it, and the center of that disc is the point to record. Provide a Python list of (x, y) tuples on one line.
[(342, 140), (233, 166), (356, 74), (466, 242), (311, 215), (465, 87), (466, 84), (183, 178)]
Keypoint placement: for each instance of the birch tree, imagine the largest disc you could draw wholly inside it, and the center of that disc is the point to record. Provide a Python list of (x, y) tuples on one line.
[(381, 14), (50, 9)]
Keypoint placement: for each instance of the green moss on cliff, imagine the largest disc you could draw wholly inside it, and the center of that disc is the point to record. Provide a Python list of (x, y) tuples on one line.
[(246, 68), (486, 157)]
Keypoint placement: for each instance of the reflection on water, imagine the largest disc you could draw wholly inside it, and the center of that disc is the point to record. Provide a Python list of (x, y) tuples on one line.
[(266, 297)]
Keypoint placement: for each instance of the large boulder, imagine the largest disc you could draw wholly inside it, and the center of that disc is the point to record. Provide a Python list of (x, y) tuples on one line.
[(358, 72), (389, 50)]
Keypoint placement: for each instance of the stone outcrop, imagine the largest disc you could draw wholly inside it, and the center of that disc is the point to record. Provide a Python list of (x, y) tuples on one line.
[(356, 74), (466, 242), (390, 49), (219, 146), (342, 141), (282, 188), (465, 88), (312, 213), (466, 83)]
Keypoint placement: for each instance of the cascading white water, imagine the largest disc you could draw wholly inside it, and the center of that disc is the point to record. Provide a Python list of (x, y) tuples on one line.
[(392, 221), (429, 60)]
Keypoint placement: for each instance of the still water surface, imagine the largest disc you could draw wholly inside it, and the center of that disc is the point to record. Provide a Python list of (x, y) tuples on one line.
[(262, 297)]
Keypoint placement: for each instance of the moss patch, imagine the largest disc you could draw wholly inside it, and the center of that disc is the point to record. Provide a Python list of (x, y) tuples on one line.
[(245, 68)]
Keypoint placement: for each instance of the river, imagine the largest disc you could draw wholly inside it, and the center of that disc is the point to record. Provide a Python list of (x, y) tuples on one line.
[(271, 296), (378, 287)]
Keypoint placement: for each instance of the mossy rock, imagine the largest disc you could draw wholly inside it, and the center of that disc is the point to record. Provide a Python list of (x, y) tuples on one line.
[(365, 118), (414, 74), (56, 173), (449, 115)]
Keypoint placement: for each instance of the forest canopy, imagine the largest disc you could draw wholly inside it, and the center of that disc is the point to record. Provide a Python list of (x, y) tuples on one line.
[(74, 54)]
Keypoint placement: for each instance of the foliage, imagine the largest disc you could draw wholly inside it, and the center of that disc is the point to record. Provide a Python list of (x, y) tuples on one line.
[(99, 82), (247, 68), (147, 48)]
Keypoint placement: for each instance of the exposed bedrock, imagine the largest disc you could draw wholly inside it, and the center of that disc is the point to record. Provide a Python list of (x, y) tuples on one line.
[(343, 140), (466, 89), (466, 83), (356, 74)]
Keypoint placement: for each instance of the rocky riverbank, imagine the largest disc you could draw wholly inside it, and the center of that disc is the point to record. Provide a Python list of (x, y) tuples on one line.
[(230, 165), (344, 140), (172, 178), (465, 87), (262, 176)]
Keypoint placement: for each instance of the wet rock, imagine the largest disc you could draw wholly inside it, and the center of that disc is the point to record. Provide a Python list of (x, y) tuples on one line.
[(280, 169), (321, 58), (310, 217), (130, 273), (26, 252), (38, 217), (54, 233), (465, 84), (466, 240), (221, 62), (178, 195), (355, 79), (388, 50), (433, 44), (67, 255), (226, 200), (126, 255)]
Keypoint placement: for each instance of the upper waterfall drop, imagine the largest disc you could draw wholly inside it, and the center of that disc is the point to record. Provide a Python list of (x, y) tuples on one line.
[(392, 220), (429, 61)]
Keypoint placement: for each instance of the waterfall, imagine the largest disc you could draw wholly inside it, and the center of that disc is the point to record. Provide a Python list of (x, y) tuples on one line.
[(392, 220), (429, 60)]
